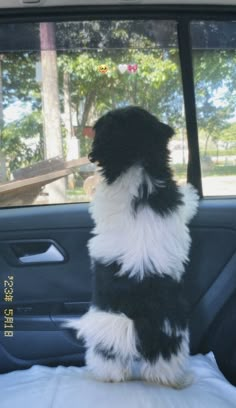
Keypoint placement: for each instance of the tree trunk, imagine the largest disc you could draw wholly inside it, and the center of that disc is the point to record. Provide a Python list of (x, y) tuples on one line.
[(72, 143), (3, 171), (86, 113), (51, 106), (206, 144), (87, 106), (67, 107)]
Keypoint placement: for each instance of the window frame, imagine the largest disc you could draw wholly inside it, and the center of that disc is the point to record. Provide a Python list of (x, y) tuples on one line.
[(181, 14)]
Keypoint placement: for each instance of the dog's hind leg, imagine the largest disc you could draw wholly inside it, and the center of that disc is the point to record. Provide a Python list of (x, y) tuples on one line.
[(110, 340), (172, 372), (162, 373), (105, 366)]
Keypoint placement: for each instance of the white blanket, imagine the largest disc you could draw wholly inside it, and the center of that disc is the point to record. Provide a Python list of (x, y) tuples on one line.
[(72, 387)]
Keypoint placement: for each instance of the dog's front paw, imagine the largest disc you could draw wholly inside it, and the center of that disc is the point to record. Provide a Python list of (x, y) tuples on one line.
[(184, 381)]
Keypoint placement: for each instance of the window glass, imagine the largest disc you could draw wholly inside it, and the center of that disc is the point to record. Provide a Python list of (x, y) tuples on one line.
[(214, 57), (56, 79)]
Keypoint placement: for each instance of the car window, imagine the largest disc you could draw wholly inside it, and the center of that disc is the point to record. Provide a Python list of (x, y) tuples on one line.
[(214, 60), (57, 78)]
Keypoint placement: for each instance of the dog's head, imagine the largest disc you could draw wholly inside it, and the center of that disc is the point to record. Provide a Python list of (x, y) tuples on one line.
[(129, 136)]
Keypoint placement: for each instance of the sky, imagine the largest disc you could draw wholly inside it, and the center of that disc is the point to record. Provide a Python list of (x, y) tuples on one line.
[(16, 111)]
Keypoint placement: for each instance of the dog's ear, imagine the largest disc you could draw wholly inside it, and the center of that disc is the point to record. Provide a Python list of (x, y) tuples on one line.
[(104, 137)]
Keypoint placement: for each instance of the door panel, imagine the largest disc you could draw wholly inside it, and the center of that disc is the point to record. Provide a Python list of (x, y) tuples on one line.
[(46, 294), (57, 282), (212, 249)]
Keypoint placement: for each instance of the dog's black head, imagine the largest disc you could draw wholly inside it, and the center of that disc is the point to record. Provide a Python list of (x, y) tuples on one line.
[(129, 136)]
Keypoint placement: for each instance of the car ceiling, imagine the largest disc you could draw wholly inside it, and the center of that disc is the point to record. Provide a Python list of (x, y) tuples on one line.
[(54, 3)]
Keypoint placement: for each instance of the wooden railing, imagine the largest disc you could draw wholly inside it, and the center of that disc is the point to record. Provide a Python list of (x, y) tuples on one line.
[(28, 182)]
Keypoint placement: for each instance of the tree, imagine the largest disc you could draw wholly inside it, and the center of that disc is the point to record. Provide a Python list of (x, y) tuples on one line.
[(228, 136), (84, 94), (155, 86), (3, 175), (215, 81), (23, 151), (19, 86), (51, 106)]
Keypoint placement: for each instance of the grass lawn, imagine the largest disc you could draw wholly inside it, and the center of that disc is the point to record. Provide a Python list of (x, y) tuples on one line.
[(215, 170), (215, 179)]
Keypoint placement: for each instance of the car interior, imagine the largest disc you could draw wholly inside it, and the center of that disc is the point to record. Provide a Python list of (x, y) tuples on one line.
[(62, 65)]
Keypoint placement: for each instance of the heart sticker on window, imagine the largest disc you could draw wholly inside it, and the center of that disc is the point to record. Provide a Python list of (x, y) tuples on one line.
[(122, 68)]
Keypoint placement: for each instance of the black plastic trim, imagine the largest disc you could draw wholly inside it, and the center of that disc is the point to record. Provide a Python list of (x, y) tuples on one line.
[(185, 53), (171, 11)]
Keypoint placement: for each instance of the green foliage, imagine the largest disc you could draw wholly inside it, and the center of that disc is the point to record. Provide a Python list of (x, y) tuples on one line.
[(82, 47), (220, 170), (155, 86), (229, 135), (18, 79), (215, 80), (22, 141), (85, 145)]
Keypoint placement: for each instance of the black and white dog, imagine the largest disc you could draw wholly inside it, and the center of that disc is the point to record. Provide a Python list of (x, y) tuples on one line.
[(139, 250)]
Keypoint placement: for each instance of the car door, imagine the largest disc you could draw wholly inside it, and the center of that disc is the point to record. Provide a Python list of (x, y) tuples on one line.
[(45, 289), (45, 225)]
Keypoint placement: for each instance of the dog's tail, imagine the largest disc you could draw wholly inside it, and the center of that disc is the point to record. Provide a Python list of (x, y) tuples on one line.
[(112, 331)]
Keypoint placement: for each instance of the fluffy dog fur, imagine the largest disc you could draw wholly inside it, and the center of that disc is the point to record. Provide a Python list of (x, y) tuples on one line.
[(139, 251)]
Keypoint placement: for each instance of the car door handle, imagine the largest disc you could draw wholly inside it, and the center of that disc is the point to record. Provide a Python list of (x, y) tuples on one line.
[(52, 254)]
